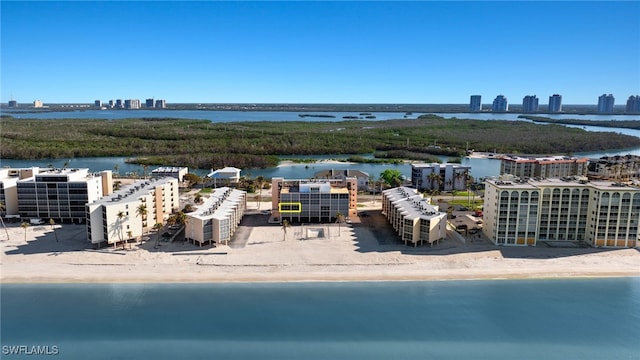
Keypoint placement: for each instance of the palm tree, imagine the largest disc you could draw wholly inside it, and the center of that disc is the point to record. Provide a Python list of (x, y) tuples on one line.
[(142, 211), (259, 184), (198, 198), (157, 227), (144, 170), (285, 225), (25, 225), (457, 177), (181, 218), (120, 216), (130, 236), (2, 209), (432, 179), (53, 227), (339, 220), (116, 167)]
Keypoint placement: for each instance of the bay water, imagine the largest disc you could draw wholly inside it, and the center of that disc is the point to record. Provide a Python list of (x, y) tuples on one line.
[(487, 319)]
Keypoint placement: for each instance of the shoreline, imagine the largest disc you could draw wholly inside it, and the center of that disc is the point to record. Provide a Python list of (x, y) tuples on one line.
[(294, 280), (365, 250)]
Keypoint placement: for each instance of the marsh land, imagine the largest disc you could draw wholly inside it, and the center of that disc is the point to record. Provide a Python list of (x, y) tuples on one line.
[(203, 144)]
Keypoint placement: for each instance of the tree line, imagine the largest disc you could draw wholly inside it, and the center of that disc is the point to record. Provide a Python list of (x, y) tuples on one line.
[(202, 144)]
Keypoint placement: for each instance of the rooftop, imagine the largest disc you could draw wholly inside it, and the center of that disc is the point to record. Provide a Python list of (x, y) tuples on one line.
[(412, 204), (133, 192)]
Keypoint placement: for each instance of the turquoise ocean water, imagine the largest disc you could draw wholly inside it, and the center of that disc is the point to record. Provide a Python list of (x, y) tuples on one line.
[(524, 319)]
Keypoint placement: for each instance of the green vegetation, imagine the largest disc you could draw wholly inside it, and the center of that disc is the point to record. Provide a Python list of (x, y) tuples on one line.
[(391, 177), (202, 144), (626, 124)]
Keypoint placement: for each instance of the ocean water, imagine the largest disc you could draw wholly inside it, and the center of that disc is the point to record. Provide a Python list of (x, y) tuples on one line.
[(524, 319)]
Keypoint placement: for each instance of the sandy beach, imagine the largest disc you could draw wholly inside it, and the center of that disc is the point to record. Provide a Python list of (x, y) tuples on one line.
[(364, 250)]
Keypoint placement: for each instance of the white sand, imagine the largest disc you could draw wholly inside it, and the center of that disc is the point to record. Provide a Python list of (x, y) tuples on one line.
[(266, 257)]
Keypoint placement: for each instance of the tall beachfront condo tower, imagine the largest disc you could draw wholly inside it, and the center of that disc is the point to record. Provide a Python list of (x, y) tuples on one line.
[(633, 104), (530, 104), (605, 103), (555, 103), (526, 212), (500, 104), (97, 103), (476, 103), (148, 103)]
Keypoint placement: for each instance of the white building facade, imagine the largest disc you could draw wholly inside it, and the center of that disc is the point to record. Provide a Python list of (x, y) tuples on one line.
[(216, 220), (602, 214), (60, 194), (434, 176), (110, 219), (413, 218)]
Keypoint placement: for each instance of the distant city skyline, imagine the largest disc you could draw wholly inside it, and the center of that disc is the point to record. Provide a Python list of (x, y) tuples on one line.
[(318, 52)]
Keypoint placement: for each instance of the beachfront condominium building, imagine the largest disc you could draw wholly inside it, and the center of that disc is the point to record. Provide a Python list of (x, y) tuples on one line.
[(500, 104), (60, 194), (129, 212), (544, 167), (555, 103), (475, 104), (119, 104), (413, 218), (9, 188), (170, 171), (13, 103), (618, 168), (37, 104), (318, 200), (436, 176), (599, 213), (216, 220), (530, 104), (161, 104), (633, 104), (363, 177), (605, 103), (148, 103), (97, 103)]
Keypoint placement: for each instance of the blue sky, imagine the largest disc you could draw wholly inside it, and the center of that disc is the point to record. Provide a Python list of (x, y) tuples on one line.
[(319, 52)]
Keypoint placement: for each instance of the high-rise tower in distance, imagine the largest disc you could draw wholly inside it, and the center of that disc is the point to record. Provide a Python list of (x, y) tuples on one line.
[(605, 103), (500, 104), (633, 104), (476, 103), (555, 103), (530, 104)]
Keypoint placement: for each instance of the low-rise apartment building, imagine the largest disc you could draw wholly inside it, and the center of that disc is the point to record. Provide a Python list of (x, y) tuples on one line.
[(436, 176), (170, 171), (599, 213), (363, 177), (618, 167), (216, 220), (412, 217), (313, 200), (120, 215), (544, 167)]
